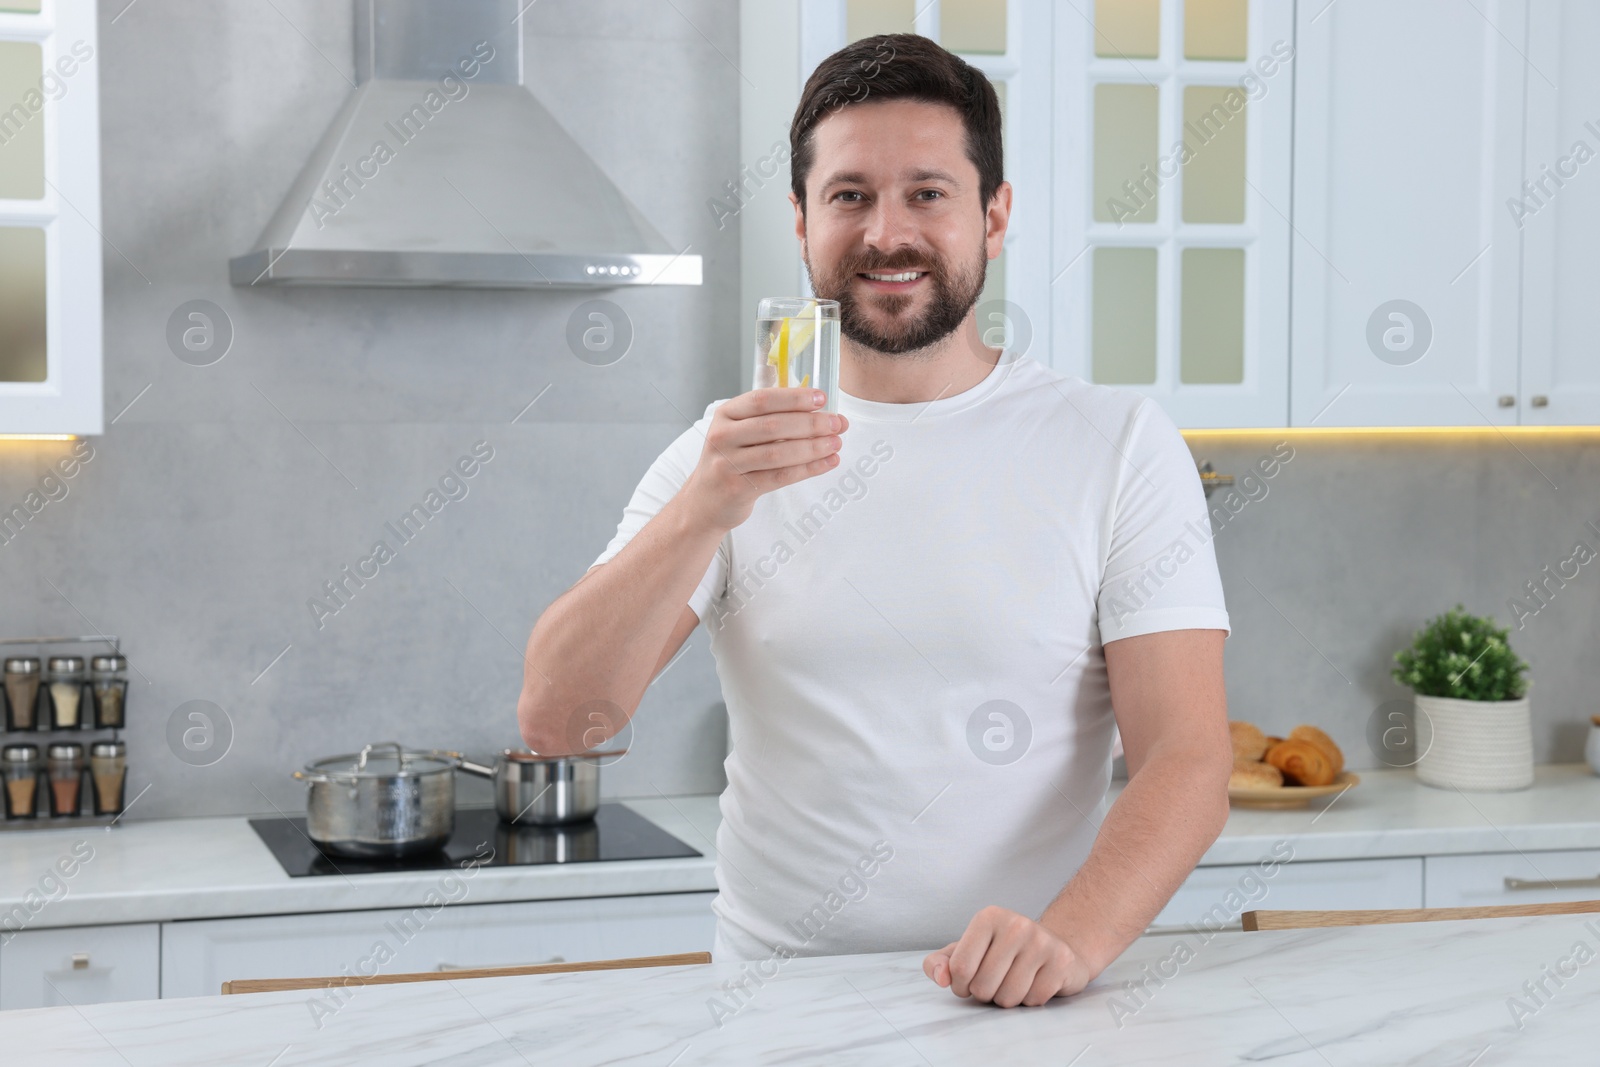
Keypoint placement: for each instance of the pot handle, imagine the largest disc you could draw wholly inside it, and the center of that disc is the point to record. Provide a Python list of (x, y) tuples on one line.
[(476, 768), (399, 753), (305, 776)]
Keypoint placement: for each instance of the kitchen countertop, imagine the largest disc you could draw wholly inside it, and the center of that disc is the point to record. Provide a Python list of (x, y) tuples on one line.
[(161, 870), (208, 868), (1434, 993), (1391, 814)]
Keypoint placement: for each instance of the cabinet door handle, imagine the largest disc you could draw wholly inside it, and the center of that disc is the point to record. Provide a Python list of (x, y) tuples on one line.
[(1540, 401), (1508, 401), (481, 966), (1559, 883), (80, 961)]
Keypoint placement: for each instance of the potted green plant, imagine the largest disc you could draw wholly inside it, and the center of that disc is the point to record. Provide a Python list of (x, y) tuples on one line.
[(1472, 713)]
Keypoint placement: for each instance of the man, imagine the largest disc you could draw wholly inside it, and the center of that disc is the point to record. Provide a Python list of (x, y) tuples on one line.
[(923, 608)]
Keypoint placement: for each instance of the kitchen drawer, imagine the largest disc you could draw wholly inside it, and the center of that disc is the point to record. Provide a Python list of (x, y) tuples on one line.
[(80, 965), (1467, 881), (198, 956), (1219, 894)]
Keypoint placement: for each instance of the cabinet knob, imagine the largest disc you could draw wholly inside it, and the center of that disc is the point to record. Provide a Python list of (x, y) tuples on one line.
[(80, 961), (1540, 401), (1508, 401)]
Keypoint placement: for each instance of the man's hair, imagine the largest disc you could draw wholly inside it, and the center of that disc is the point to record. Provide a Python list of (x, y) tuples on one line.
[(895, 66)]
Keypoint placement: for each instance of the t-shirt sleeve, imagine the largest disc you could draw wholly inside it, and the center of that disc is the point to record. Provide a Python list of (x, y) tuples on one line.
[(1161, 569), (659, 485)]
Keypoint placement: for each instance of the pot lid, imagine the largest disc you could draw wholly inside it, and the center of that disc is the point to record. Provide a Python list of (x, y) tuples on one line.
[(386, 759)]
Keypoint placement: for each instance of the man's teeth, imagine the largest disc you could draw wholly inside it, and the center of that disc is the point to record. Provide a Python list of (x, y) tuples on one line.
[(907, 276)]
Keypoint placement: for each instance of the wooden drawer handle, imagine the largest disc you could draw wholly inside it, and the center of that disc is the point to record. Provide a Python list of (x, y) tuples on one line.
[(80, 961), (1559, 883), (479, 967)]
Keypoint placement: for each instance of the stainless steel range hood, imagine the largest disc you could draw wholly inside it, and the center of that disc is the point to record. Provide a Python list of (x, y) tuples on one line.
[(442, 170)]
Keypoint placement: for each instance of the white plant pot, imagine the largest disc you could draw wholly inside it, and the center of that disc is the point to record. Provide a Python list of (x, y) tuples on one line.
[(1474, 745)]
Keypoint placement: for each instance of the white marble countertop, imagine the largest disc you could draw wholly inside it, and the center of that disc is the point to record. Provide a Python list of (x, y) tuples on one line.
[(1391, 814), (1418, 993), (164, 869), (160, 870)]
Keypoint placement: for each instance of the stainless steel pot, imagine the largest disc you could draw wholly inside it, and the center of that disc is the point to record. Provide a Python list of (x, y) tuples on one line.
[(534, 790), (383, 802)]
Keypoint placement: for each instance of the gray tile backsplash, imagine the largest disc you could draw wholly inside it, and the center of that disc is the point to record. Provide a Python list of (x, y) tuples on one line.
[(223, 498), (1360, 539)]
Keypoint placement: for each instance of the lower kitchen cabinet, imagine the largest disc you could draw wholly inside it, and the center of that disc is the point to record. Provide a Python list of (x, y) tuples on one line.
[(80, 965), (1217, 895), (1512, 878), (198, 956)]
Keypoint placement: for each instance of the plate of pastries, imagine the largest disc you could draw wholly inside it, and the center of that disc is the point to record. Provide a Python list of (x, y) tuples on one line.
[(1284, 772)]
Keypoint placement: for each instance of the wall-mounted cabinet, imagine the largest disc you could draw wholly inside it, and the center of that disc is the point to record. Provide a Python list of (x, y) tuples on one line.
[(50, 291), (1266, 214), (1408, 126), (1558, 216)]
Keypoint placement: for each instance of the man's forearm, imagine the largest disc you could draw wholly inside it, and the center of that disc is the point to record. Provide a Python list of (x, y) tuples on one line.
[(1167, 816), (602, 638)]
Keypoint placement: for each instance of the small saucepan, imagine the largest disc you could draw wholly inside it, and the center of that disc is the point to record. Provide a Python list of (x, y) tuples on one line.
[(535, 790)]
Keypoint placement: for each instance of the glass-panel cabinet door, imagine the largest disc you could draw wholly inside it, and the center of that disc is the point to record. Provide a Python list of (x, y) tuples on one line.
[(21, 125), (1172, 174), (50, 263), (22, 304), (868, 18), (973, 26)]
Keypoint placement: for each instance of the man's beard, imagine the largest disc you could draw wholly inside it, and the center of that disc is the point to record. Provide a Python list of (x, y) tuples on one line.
[(954, 294)]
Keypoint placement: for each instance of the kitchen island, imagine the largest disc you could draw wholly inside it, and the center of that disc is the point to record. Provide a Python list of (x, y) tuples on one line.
[(1476, 993)]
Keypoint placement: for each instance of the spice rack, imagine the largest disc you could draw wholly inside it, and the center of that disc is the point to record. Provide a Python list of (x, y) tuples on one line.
[(49, 702)]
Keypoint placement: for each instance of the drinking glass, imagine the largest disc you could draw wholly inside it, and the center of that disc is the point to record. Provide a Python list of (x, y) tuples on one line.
[(797, 344)]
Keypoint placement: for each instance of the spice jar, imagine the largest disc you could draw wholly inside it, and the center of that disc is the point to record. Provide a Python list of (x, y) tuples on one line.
[(108, 771), (65, 678), (19, 766), (22, 693), (108, 679), (64, 768)]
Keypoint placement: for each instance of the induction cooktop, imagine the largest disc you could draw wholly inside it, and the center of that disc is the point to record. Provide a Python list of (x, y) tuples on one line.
[(616, 832)]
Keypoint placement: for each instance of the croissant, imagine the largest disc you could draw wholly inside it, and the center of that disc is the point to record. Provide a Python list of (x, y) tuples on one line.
[(1322, 741), (1302, 762)]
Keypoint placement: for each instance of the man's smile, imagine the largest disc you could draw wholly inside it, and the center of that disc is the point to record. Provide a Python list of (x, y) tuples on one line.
[(892, 281)]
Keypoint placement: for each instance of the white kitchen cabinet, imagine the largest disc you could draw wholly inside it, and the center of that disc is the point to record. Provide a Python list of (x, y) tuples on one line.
[(1408, 124), (1558, 214), (1482, 879), (80, 965), (1294, 886), (50, 258), (198, 956)]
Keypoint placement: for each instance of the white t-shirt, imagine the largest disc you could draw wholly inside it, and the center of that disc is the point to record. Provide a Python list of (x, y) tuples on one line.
[(910, 649)]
